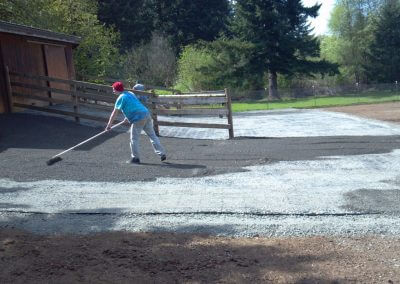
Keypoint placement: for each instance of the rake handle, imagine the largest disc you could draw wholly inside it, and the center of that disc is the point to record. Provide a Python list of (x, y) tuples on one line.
[(87, 140)]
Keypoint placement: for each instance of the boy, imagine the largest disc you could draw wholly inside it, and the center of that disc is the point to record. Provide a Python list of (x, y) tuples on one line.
[(139, 117)]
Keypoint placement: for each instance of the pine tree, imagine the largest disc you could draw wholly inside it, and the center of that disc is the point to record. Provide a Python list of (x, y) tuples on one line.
[(134, 19), (187, 21), (280, 36), (383, 52)]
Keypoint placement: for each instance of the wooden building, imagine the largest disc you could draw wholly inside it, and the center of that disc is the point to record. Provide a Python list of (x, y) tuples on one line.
[(33, 51)]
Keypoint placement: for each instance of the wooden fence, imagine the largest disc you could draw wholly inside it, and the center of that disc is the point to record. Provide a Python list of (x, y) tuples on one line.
[(43, 93)]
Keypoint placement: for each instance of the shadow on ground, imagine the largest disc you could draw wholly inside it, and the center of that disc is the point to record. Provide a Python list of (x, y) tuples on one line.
[(27, 141), (29, 131), (122, 257)]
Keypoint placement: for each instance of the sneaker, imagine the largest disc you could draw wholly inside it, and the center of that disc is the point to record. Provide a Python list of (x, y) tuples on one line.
[(134, 161), (163, 158)]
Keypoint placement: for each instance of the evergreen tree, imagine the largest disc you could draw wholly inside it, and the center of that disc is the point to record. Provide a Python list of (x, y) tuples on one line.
[(186, 21), (134, 19), (383, 52), (280, 38)]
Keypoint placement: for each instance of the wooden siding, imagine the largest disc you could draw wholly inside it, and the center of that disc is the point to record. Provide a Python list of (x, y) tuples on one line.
[(57, 67), (3, 87), (22, 56), (28, 55)]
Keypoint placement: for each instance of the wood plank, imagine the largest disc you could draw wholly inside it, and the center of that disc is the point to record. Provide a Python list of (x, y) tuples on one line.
[(96, 97), (229, 108), (41, 98), (188, 96), (189, 101), (193, 111), (194, 125), (104, 88), (9, 90), (41, 88), (97, 106), (43, 78), (62, 112), (206, 92)]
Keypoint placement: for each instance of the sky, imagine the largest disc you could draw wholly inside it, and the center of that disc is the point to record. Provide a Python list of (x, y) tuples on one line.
[(320, 24)]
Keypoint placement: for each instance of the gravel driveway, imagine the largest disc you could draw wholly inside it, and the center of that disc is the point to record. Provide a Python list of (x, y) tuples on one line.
[(294, 177), (311, 197)]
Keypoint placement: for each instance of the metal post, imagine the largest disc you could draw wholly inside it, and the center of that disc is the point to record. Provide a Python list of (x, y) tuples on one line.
[(397, 91)]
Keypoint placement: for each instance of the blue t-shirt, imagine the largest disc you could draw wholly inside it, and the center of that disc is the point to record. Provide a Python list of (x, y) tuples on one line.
[(131, 107)]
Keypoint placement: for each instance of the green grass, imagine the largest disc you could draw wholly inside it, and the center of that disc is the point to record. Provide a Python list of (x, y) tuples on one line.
[(351, 99)]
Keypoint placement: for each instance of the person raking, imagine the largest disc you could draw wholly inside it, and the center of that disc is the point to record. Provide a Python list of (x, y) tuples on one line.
[(140, 119)]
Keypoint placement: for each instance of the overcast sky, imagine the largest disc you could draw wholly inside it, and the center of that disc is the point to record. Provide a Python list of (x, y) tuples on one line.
[(320, 24)]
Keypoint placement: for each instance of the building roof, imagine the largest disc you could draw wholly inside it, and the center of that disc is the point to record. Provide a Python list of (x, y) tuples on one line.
[(11, 28)]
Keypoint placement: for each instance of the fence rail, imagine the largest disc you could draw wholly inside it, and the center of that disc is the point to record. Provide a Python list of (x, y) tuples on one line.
[(44, 93)]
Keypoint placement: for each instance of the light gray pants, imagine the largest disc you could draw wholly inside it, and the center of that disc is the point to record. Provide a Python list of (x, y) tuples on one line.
[(145, 124)]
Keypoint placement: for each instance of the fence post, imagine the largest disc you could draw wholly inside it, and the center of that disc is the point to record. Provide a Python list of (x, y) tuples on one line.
[(76, 103), (230, 120), (9, 90), (315, 97), (358, 92), (154, 114), (397, 90)]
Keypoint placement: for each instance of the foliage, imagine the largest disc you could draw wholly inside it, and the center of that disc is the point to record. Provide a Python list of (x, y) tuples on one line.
[(351, 99), (185, 22), (350, 24), (191, 61), (153, 63), (280, 38), (383, 51), (134, 19), (97, 54)]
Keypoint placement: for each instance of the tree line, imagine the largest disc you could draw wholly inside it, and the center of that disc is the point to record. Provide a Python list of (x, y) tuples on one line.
[(213, 44)]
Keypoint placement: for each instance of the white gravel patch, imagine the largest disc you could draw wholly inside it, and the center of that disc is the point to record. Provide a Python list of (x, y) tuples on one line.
[(283, 123), (287, 187)]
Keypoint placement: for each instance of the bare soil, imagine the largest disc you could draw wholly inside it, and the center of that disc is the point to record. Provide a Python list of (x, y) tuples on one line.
[(122, 257), (385, 111)]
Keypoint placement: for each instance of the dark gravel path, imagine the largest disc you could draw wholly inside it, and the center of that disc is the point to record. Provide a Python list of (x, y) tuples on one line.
[(27, 141)]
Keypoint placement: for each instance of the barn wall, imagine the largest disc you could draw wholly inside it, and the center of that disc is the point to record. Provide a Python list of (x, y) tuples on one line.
[(37, 57), (3, 88), (56, 63), (24, 57)]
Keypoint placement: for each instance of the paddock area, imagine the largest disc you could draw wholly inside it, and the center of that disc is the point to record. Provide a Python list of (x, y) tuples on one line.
[(305, 183)]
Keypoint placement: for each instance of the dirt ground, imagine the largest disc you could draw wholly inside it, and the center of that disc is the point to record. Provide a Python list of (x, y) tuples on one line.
[(385, 111), (122, 257)]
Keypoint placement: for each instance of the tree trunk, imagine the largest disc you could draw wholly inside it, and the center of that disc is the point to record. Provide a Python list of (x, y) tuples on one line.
[(273, 86)]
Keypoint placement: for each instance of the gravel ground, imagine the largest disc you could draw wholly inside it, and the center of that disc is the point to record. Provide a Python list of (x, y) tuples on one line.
[(321, 209)]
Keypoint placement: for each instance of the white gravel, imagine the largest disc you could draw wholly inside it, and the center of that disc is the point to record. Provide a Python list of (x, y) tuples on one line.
[(286, 198)]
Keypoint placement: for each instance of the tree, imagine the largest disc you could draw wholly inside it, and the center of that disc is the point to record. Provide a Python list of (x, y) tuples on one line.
[(351, 32), (153, 63), (383, 52), (97, 54), (134, 19), (185, 22), (279, 37)]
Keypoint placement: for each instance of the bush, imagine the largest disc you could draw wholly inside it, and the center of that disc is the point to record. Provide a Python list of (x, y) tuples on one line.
[(153, 63), (190, 64)]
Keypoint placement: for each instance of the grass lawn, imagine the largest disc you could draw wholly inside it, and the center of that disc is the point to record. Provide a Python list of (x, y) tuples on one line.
[(317, 102)]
